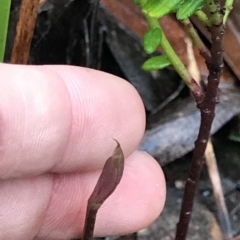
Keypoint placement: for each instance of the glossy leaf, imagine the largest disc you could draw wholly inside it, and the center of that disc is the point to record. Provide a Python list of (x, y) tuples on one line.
[(159, 8), (156, 63), (152, 39), (109, 179), (188, 8)]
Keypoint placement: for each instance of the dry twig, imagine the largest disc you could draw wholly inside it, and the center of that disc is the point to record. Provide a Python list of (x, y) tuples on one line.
[(24, 31), (207, 108), (218, 191)]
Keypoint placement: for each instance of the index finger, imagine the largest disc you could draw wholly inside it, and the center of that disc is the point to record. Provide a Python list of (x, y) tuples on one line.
[(62, 119)]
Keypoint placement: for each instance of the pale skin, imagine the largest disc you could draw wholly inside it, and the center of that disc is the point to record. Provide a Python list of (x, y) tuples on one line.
[(57, 125)]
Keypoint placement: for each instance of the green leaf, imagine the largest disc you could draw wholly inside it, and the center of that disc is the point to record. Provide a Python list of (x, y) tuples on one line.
[(4, 17), (156, 63), (151, 40), (188, 8), (140, 2), (159, 8)]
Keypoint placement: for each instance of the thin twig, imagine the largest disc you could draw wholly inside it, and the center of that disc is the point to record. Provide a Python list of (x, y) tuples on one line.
[(202, 16), (192, 65), (24, 31), (207, 109), (176, 62), (90, 220), (235, 209), (197, 41), (209, 153), (218, 191), (169, 98)]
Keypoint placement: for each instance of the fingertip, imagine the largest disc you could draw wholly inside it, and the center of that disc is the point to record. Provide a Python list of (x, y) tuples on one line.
[(62, 119), (111, 102), (112, 109)]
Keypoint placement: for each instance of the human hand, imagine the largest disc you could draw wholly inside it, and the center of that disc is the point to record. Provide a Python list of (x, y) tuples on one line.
[(57, 125)]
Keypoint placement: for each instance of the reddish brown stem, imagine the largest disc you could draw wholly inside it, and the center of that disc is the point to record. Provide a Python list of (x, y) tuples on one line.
[(24, 31), (108, 181), (89, 222), (207, 109)]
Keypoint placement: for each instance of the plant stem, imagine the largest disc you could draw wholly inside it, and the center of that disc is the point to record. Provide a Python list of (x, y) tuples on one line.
[(207, 109), (196, 39), (24, 32), (176, 61), (228, 6), (215, 11), (202, 16), (171, 54), (4, 17), (90, 220)]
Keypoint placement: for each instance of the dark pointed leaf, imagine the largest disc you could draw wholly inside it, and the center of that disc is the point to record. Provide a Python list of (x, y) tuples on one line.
[(109, 179), (151, 40), (156, 63)]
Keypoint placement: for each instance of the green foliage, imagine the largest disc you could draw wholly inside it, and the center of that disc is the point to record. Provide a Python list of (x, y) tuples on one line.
[(151, 40), (155, 9), (159, 8), (140, 2), (156, 63), (4, 16), (188, 8)]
